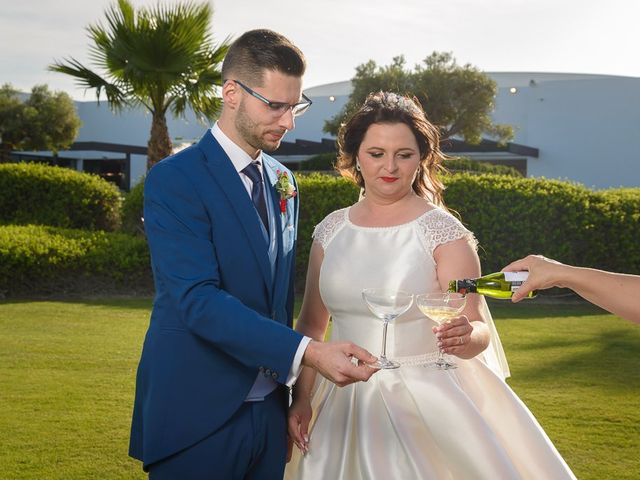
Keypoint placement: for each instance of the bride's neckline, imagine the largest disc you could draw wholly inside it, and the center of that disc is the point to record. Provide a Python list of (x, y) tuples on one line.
[(388, 227)]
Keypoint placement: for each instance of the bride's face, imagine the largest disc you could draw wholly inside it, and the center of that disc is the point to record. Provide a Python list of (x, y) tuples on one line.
[(389, 157)]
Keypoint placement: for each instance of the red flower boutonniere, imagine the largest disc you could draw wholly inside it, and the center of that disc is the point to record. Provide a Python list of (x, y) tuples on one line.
[(285, 189)]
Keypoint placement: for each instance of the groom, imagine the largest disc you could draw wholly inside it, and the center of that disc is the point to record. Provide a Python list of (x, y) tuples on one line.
[(221, 219)]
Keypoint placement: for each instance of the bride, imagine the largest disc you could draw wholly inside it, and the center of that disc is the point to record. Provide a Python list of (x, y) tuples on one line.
[(415, 422)]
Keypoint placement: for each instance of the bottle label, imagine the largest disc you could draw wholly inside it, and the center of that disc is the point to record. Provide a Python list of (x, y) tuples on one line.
[(516, 277)]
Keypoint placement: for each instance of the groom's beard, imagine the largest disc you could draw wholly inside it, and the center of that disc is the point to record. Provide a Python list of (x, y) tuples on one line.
[(255, 135)]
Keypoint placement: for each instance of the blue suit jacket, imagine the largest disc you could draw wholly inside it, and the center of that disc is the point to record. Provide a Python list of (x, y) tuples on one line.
[(218, 316)]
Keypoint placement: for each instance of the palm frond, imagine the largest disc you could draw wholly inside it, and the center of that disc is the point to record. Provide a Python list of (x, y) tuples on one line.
[(161, 57), (91, 80)]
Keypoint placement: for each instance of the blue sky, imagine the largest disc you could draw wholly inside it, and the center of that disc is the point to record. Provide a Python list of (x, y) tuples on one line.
[(577, 36)]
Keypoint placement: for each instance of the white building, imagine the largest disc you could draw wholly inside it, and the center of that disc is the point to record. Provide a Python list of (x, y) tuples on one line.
[(131, 127), (586, 128)]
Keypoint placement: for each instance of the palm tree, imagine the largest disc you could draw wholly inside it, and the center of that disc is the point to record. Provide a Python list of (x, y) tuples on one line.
[(159, 58)]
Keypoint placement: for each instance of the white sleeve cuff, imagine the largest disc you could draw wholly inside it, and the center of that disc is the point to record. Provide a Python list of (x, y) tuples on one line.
[(296, 366)]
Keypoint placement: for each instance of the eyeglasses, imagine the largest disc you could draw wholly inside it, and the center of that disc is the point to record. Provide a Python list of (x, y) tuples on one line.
[(279, 108)]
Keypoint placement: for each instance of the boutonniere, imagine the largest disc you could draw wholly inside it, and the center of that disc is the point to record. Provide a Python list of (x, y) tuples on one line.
[(285, 189)]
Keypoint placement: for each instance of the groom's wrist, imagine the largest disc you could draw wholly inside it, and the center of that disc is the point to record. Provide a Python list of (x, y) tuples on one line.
[(296, 365), (309, 359)]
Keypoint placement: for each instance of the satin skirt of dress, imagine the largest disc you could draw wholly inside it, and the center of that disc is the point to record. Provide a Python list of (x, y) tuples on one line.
[(419, 423)]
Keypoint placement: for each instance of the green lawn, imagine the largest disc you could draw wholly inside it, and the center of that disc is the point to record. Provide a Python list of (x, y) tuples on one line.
[(67, 373)]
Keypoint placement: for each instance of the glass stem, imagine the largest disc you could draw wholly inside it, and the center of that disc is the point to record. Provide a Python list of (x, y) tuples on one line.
[(441, 362), (384, 339)]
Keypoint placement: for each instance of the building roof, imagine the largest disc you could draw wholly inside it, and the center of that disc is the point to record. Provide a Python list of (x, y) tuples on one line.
[(86, 151), (503, 79), (67, 155)]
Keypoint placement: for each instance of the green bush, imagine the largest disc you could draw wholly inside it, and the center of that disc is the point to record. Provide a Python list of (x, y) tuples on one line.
[(132, 207), (32, 193), (511, 217), (320, 162), (461, 164), (320, 194), (36, 259), (618, 230)]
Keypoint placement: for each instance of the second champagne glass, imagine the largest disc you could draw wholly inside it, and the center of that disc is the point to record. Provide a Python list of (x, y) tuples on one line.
[(440, 307), (387, 305)]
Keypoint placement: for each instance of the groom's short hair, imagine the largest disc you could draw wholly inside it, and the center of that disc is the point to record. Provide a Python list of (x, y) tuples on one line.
[(256, 51)]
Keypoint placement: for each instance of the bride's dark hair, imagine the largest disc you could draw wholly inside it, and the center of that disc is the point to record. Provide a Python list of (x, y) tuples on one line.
[(389, 107)]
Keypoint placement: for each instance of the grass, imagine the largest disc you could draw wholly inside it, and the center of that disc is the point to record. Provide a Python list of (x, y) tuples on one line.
[(578, 371), (67, 372)]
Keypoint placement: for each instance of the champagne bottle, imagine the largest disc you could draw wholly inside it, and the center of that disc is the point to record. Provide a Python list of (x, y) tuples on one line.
[(496, 285)]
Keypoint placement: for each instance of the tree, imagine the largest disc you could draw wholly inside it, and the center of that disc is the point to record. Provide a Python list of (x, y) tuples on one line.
[(43, 121), (458, 99), (161, 58)]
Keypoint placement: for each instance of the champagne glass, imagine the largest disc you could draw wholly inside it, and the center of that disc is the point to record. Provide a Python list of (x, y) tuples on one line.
[(441, 307), (387, 305)]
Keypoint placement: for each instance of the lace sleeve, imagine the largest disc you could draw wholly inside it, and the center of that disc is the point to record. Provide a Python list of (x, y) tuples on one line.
[(440, 227), (327, 228)]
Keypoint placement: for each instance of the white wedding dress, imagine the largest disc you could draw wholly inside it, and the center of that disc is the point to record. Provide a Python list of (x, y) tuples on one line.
[(412, 422)]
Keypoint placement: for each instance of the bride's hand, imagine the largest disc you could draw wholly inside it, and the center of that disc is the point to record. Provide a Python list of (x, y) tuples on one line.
[(299, 418), (454, 335)]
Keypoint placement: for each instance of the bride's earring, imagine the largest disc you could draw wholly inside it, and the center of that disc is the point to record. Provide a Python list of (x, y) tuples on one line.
[(358, 165), (417, 174)]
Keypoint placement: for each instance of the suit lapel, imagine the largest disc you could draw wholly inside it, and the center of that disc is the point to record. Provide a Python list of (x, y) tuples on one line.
[(228, 180)]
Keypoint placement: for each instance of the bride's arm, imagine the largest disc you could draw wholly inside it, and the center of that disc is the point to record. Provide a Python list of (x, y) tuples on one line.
[(314, 316), (312, 322), (456, 260)]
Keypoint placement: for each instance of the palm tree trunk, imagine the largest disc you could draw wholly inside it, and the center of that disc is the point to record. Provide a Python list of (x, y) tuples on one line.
[(5, 151), (159, 145)]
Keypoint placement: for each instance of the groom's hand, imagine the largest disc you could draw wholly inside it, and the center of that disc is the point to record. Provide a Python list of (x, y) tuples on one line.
[(336, 361)]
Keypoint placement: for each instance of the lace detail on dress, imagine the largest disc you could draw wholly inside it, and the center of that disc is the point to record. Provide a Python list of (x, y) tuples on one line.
[(327, 228), (439, 226)]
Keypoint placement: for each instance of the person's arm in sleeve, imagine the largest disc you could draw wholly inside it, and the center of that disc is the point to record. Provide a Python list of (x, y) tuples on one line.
[(184, 259), (616, 292)]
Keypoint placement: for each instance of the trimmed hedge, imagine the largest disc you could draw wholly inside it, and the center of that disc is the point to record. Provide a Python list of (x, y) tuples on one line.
[(33, 193), (37, 259), (511, 217), (619, 227), (132, 209), (320, 162), (320, 194), (461, 164)]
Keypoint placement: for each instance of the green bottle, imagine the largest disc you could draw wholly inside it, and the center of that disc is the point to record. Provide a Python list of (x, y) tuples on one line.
[(495, 285)]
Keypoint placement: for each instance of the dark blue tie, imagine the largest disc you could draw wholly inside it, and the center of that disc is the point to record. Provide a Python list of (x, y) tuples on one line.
[(257, 192)]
